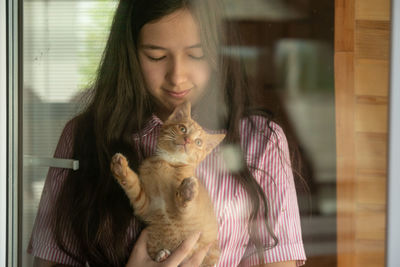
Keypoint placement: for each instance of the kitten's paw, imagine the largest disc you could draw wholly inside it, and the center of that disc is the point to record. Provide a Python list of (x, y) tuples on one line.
[(119, 167), (187, 190), (162, 255)]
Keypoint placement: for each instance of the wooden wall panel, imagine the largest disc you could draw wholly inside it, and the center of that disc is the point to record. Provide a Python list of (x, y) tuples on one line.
[(372, 39), (372, 10), (371, 188), (371, 115), (371, 151), (371, 77), (363, 32), (345, 144), (367, 216), (371, 254), (344, 25)]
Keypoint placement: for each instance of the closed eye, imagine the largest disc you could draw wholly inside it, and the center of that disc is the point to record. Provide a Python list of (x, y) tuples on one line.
[(156, 58), (197, 57)]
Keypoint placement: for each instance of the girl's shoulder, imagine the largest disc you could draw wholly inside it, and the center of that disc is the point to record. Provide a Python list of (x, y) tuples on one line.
[(64, 147), (263, 141), (69, 127), (261, 128)]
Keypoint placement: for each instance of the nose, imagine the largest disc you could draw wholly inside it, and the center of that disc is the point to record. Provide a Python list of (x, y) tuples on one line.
[(187, 140), (177, 73)]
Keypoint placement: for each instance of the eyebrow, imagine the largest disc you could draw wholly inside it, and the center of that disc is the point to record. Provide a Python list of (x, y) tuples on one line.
[(155, 47)]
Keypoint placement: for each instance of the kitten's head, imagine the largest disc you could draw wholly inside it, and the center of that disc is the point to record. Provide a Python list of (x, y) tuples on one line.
[(182, 140)]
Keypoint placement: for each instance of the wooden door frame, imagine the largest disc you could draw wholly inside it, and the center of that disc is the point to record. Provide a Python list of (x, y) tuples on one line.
[(362, 38), (393, 218)]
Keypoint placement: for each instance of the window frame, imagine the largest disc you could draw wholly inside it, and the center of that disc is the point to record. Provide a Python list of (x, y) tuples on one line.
[(3, 133), (393, 213), (10, 141), (10, 138)]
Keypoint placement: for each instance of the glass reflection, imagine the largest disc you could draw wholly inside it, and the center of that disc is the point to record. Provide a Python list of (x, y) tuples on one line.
[(287, 48)]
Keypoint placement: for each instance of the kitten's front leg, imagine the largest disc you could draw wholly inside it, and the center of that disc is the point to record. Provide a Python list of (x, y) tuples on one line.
[(130, 182), (186, 192)]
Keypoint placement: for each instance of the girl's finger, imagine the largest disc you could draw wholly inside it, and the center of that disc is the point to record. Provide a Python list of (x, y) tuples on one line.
[(140, 248), (198, 257), (183, 250)]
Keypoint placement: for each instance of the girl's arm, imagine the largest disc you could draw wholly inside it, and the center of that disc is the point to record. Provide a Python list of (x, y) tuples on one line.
[(140, 258), (272, 170), (55, 178)]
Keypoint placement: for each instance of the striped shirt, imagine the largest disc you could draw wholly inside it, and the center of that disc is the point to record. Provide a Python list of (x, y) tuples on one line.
[(268, 159)]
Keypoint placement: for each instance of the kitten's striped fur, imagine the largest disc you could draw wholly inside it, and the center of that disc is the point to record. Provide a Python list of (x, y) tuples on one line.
[(165, 194)]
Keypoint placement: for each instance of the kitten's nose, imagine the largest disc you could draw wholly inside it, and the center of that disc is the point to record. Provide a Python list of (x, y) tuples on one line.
[(187, 140)]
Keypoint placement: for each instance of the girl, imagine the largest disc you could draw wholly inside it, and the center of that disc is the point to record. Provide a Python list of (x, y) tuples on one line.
[(160, 54)]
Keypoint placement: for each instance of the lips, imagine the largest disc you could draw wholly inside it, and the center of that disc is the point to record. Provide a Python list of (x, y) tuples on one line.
[(179, 94)]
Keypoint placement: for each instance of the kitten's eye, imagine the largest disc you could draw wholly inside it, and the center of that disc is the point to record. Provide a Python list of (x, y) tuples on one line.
[(182, 128), (198, 142)]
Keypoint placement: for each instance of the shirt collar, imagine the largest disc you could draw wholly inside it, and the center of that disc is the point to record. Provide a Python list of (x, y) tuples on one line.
[(152, 123)]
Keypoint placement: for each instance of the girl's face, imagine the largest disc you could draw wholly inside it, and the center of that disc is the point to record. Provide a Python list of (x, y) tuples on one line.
[(172, 61)]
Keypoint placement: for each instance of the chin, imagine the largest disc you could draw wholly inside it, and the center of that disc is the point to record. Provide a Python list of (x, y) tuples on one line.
[(181, 151), (173, 103)]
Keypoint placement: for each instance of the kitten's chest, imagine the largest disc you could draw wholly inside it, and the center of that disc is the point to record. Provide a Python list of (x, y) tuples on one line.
[(160, 180), (161, 172)]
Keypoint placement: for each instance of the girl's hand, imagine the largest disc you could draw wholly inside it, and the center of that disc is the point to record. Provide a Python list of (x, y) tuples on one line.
[(139, 256)]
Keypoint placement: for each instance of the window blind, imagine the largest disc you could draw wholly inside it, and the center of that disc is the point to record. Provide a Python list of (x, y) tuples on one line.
[(62, 45)]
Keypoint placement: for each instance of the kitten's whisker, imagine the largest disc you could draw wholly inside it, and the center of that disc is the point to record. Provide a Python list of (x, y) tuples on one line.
[(167, 138)]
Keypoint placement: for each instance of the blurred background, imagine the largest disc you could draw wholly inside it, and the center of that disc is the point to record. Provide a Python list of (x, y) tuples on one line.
[(287, 46)]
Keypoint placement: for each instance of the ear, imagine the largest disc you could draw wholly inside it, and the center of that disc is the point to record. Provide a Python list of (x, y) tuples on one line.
[(180, 113), (213, 140)]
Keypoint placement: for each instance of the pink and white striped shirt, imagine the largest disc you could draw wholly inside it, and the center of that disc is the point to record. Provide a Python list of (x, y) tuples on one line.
[(268, 160)]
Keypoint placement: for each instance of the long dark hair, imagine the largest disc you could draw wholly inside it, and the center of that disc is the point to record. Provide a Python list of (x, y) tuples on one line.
[(91, 205)]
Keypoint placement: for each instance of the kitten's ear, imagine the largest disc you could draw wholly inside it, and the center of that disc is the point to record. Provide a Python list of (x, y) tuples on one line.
[(213, 140), (181, 113)]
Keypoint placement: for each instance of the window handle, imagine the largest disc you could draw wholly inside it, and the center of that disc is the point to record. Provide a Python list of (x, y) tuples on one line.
[(30, 160)]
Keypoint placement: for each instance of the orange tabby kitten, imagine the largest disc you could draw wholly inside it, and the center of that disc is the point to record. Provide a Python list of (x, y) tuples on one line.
[(166, 195)]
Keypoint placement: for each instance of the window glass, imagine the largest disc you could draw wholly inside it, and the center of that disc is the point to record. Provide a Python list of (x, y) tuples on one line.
[(63, 44), (287, 48), (288, 51)]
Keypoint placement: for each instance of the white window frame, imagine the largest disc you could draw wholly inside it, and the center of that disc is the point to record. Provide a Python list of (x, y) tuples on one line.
[(393, 212), (10, 16), (3, 134)]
